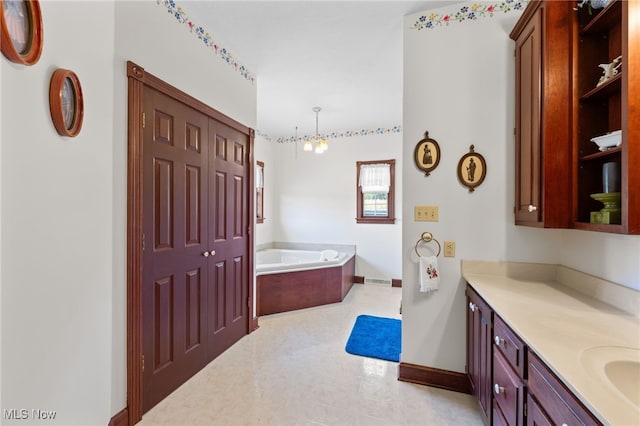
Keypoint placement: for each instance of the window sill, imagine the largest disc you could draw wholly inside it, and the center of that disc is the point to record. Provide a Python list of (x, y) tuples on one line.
[(382, 220)]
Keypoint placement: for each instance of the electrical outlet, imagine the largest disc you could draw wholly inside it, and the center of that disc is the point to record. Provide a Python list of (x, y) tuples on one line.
[(425, 213), (449, 249)]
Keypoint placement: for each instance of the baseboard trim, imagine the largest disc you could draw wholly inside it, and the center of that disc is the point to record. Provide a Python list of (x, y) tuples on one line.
[(396, 283), (121, 418), (434, 377), (357, 279)]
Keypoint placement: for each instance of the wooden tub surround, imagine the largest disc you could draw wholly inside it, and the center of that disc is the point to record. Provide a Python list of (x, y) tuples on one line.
[(288, 291)]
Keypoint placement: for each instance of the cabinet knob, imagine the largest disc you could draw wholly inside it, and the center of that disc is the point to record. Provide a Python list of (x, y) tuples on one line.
[(498, 340), (205, 254), (532, 208), (497, 389), (213, 252), (472, 306)]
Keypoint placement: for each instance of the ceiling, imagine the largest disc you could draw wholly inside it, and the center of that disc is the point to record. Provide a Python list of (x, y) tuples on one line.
[(342, 56)]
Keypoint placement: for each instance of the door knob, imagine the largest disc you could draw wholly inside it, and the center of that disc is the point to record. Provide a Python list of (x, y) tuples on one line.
[(497, 389), (213, 252), (472, 306), (498, 340), (532, 208), (205, 254)]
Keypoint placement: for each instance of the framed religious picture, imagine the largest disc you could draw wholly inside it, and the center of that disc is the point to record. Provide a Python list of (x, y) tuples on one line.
[(66, 102), (427, 154), (21, 37), (472, 169)]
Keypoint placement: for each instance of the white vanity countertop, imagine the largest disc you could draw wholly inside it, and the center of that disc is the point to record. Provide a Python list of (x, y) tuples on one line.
[(560, 315)]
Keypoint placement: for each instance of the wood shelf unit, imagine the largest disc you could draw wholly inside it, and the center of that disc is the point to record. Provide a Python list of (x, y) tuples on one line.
[(599, 38), (560, 108)]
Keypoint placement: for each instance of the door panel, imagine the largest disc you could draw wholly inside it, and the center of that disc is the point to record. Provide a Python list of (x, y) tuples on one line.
[(238, 202), (237, 296), (193, 309), (163, 323), (163, 204), (219, 207), (193, 204), (228, 204), (217, 297), (174, 270)]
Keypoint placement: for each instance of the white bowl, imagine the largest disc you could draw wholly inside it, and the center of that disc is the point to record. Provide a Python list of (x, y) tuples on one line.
[(608, 140)]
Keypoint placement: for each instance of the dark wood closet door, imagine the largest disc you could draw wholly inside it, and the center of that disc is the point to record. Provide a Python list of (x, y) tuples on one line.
[(229, 188), (175, 144)]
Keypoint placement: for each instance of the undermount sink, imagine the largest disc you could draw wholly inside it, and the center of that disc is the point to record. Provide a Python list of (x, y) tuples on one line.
[(617, 365)]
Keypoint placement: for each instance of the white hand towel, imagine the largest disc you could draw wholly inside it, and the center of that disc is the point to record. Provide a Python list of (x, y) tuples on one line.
[(429, 274)]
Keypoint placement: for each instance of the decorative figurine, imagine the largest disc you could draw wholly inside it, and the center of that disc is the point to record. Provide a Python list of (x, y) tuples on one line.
[(610, 70)]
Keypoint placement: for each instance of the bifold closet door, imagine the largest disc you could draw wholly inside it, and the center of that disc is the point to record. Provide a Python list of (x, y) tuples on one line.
[(229, 275), (176, 251)]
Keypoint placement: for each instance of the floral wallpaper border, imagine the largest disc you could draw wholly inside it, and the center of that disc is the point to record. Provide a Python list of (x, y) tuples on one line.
[(333, 135), (206, 38), (468, 13)]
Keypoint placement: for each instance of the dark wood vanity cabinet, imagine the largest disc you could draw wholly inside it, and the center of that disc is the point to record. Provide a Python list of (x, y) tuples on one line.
[(543, 112), (479, 362), (513, 386)]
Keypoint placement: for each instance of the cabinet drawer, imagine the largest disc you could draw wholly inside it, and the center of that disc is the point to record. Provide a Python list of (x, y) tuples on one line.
[(560, 405), (509, 345), (508, 390)]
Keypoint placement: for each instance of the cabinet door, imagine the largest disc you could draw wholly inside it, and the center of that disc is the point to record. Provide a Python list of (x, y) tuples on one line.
[(535, 414), (528, 139), (543, 114), (559, 404), (479, 357)]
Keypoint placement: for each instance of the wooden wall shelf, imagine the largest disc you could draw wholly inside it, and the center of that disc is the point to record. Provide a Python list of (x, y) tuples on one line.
[(607, 17), (607, 88), (601, 154)]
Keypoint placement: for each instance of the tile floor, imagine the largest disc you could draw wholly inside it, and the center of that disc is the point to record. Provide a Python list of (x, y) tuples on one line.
[(294, 370)]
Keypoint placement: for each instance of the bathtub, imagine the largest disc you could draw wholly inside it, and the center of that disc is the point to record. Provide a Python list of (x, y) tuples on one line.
[(287, 280), (280, 260)]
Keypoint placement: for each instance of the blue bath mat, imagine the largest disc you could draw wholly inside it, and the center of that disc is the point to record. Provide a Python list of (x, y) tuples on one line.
[(375, 337)]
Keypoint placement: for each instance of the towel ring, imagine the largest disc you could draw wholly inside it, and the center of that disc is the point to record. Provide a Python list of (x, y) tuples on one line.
[(426, 237)]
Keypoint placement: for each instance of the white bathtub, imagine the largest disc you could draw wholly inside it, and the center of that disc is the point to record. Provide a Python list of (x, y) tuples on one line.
[(283, 260)]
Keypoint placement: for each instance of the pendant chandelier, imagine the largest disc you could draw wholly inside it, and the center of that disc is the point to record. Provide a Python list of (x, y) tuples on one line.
[(321, 144)]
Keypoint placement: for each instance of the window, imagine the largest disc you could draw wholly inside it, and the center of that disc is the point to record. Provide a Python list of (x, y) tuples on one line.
[(375, 189), (259, 192)]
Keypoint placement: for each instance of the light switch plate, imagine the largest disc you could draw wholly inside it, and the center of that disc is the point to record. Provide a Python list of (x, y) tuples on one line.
[(425, 213), (449, 249)]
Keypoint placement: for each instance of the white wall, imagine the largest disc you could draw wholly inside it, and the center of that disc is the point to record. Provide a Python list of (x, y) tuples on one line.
[(63, 200), (316, 200), (458, 82), (57, 223), (459, 85)]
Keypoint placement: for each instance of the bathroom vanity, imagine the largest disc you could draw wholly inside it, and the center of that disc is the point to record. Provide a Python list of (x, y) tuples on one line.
[(550, 345)]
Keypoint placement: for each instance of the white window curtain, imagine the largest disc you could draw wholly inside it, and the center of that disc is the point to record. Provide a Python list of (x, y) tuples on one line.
[(375, 178), (259, 177)]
